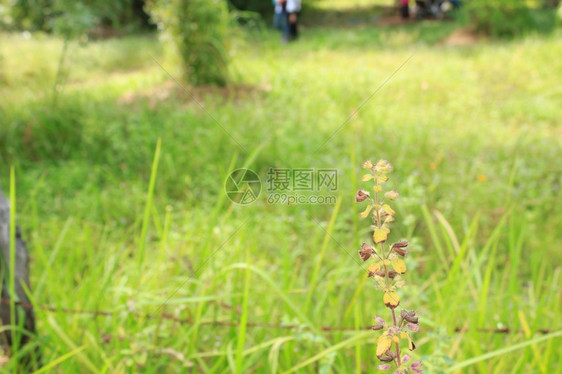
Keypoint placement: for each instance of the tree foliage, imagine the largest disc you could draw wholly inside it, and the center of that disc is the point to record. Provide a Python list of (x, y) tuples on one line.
[(262, 7), (198, 30), (73, 16)]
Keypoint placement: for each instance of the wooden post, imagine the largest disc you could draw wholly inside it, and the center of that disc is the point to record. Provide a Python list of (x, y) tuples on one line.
[(23, 306)]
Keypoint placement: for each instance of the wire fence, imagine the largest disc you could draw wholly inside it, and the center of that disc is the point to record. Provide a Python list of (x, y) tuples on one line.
[(171, 317)]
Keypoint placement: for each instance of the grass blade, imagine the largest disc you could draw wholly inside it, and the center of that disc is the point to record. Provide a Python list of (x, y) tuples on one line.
[(57, 361), (499, 352), (148, 207), (12, 264), (244, 317), (333, 348)]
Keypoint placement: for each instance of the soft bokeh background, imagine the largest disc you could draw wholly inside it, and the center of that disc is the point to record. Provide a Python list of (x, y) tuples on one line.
[(471, 123)]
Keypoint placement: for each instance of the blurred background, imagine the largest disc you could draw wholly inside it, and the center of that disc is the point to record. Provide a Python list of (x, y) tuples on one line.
[(122, 121)]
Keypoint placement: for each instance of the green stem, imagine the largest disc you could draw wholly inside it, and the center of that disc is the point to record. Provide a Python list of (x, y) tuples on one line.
[(398, 359), (60, 68), (387, 278)]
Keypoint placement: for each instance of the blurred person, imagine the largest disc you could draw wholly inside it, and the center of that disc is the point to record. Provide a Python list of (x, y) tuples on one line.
[(293, 11), (428, 8), (405, 8), (281, 19)]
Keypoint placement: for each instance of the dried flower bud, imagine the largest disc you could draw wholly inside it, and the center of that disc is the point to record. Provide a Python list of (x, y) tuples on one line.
[(399, 251), (401, 244), (377, 327), (417, 364), (412, 319), (383, 367), (366, 251), (416, 367), (406, 358), (398, 247), (380, 320), (409, 316), (413, 326), (383, 166), (381, 273), (387, 357), (362, 195)]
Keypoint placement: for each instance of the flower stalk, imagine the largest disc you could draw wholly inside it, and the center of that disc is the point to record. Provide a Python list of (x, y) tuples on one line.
[(386, 269)]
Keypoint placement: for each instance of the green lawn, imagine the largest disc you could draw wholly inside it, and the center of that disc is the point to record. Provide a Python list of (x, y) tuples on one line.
[(474, 134)]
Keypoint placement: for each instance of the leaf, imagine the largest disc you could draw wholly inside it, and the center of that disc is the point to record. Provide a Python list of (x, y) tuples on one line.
[(411, 345), (380, 179), (399, 265), (383, 344), (365, 213), (367, 177), (391, 299), (373, 268), (388, 219), (379, 236), (391, 195), (388, 209), (381, 282)]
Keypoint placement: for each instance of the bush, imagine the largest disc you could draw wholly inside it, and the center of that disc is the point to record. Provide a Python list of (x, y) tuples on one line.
[(46, 15), (263, 7), (198, 29), (508, 18)]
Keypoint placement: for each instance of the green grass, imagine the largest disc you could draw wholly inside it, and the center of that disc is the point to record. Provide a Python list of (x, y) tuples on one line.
[(120, 222)]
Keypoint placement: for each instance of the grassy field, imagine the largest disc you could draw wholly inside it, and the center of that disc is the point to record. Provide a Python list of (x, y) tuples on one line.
[(142, 230)]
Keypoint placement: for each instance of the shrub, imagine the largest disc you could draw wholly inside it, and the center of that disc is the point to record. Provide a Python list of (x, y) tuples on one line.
[(508, 18), (198, 30)]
